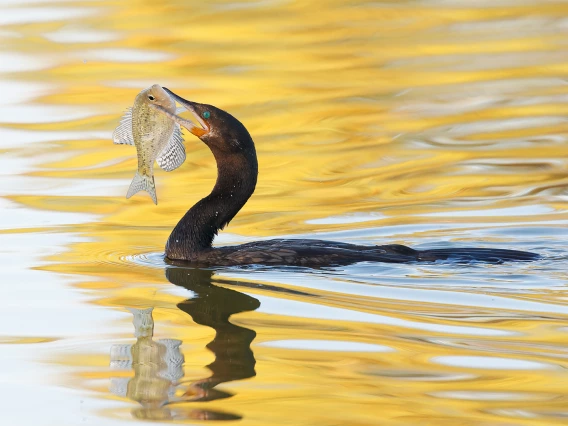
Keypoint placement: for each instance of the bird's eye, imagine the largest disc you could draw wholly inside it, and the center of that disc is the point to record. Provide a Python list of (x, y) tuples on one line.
[(206, 114), (151, 97)]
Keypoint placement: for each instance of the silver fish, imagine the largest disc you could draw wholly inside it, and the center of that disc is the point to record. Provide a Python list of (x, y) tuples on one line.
[(156, 137)]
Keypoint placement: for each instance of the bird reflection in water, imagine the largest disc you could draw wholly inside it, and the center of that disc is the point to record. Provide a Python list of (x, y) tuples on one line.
[(158, 383)]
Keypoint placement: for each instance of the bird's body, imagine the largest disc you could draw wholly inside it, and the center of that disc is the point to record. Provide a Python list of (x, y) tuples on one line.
[(237, 171), (319, 253)]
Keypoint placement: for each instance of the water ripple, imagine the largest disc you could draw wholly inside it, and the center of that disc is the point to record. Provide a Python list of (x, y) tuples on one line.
[(152, 259)]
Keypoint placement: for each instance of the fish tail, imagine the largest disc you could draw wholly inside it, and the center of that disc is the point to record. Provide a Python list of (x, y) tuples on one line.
[(145, 183)]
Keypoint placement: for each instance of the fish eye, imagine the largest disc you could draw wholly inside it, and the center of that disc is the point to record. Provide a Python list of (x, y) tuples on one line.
[(151, 97), (206, 114)]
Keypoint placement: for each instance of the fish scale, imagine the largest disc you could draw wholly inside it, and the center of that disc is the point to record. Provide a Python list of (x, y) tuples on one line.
[(155, 136)]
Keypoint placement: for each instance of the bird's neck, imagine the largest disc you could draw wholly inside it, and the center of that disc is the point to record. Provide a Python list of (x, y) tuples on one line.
[(236, 180)]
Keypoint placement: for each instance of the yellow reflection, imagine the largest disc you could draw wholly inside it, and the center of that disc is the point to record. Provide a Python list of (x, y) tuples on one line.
[(158, 384), (425, 113)]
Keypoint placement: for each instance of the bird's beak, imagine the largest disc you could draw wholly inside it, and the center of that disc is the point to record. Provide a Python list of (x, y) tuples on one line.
[(189, 125)]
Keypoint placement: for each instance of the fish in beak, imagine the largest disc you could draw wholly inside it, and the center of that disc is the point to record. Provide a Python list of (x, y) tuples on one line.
[(194, 108)]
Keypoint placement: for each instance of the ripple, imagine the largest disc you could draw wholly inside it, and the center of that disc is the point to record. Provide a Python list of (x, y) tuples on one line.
[(26, 340), (27, 15), (276, 306), (14, 216), (25, 114), (19, 62), (507, 211), (80, 34), (14, 92), (493, 396), (434, 142), (493, 363), (348, 218), (326, 345), (127, 55), (152, 259), (531, 414), (420, 375)]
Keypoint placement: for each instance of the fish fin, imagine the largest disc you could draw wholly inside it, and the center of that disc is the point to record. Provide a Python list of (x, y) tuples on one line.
[(122, 135), (173, 155), (141, 182)]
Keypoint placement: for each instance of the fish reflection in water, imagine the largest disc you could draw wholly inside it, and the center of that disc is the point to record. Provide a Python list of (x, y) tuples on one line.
[(158, 364)]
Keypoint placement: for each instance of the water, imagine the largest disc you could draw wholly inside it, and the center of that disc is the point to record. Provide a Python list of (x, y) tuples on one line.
[(427, 123)]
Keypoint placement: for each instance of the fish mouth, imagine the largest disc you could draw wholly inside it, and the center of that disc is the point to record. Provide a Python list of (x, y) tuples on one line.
[(188, 124)]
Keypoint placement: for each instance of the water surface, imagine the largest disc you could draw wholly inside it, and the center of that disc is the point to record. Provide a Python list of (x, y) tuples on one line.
[(427, 123)]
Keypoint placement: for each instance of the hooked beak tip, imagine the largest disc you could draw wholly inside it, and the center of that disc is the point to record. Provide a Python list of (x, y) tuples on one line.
[(179, 99), (190, 106)]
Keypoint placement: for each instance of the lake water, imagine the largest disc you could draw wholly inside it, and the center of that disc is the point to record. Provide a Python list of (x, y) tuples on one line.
[(428, 123)]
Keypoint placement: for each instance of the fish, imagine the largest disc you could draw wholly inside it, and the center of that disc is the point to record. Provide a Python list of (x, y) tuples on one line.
[(155, 136)]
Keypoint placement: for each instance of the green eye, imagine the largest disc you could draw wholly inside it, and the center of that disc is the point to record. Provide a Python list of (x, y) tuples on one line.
[(206, 114)]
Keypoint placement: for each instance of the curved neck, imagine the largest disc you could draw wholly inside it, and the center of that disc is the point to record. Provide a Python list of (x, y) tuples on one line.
[(236, 180)]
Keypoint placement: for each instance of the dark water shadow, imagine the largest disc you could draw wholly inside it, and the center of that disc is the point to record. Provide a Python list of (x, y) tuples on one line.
[(212, 306), (158, 384)]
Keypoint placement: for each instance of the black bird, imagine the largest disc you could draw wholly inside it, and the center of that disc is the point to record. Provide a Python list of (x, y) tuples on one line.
[(237, 171)]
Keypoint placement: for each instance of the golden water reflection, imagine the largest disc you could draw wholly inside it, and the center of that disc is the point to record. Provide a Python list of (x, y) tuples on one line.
[(431, 123), (157, 366), (158, 380)]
